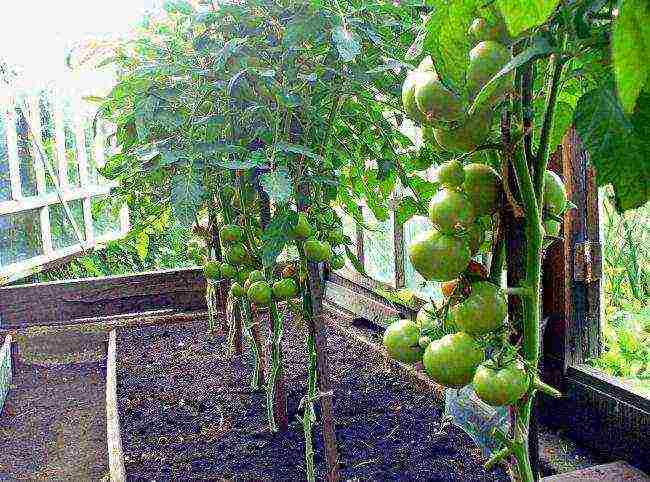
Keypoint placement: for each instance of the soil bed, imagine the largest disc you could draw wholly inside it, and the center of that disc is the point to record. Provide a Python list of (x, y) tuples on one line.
[(187, 412)]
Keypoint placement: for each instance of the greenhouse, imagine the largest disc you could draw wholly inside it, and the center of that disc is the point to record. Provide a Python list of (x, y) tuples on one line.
[(270, 240)]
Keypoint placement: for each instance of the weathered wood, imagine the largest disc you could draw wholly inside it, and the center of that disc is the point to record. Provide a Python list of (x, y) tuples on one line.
[(113, 436), (62, 302), (613, 472), (7, 368), (398, 243), (362, 306)]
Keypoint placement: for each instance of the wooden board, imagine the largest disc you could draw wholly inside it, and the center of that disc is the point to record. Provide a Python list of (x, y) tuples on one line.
[(68, 302), (6, 370), (113, 437), (614, 472)]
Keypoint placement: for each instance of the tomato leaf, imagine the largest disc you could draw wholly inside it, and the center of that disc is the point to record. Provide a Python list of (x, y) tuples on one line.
[(298, 149), (187, 192), (407, 207), (619, 145), (276, 234), (522, 15), (358, 265), (277, 184), (630, 44), (347, 42)]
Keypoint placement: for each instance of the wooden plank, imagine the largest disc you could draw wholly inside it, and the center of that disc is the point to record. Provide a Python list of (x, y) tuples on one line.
[(613, 472), (113, 437), (62, 301), (6, 369), (354, 302), (36, 202)]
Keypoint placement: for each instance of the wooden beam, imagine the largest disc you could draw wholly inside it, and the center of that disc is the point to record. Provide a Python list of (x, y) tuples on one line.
[(113, 437)]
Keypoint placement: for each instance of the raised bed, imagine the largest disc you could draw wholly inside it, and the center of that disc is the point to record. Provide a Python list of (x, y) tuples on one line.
[(186, 411), (6, 370)]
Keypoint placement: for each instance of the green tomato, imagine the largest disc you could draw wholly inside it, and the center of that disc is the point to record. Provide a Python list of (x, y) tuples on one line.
[(260, 293), (483, 311), (471, 133), (237, 254), (336, 237), (408, 97), (243, 274), (317, 251), (439, 257), (337, 262), (500, 386), (236, 290), (554, 193), (452, 360), (231, 233), (401, 341), (303, 229), (434, 101), (285, 289), (482, 185), (485, 60), (451, 174), (256, 275), (227, 271), (212, 270), (451, 210)]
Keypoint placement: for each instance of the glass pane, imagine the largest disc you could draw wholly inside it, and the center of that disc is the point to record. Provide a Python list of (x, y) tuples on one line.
[(626, 293), (379, 249), (48, 137), (5, 181), (20, 237), (63, 235), (105, 220), (349, 229), (424, 289), (93, 175), (71, 148), (25, 159)]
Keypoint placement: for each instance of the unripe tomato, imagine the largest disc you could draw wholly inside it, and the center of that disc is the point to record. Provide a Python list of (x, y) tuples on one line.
[(482, 185), (498, 386), (450, 210), (303, 229), (317, 251), (212, 271), (242, 275), (451, 174), (483, 311), (227, 271), (554, 193), (401, 341), (230, 233), (260, 293), (337, 262), (237, 254), (452, 360), (336, 237), (256, 275), (236, 290), (439, 257), (285, 289)]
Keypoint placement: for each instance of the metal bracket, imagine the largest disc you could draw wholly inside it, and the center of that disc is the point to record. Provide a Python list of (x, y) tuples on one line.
[(587, 262)]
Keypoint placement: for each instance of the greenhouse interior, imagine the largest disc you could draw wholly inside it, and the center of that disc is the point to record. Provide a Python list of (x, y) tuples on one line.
[(325, 240)]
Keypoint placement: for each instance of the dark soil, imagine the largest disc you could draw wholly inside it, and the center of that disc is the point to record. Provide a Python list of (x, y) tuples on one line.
[(53, 426), (187, 413)]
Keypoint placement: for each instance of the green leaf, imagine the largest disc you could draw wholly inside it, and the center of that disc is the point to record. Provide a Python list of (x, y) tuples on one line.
[(406, 209), (277, 184), (358, 265), (619, 146), (539, 48), (447, 40), (298, 149), (630, 46), (347, 42), (276, 234), (425, 189), (187, 194), (142, 245), (522, 15)]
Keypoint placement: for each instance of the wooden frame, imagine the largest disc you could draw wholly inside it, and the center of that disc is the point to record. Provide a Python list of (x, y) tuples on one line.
[(7, 368), (117, 471), (64, 193)]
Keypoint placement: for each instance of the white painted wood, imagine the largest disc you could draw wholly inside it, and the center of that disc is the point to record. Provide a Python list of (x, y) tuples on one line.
[(9, 114), (59, 137), (117, 471), (26, 204)]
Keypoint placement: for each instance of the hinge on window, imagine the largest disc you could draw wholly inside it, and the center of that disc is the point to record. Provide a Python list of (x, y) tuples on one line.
[(587, 264)]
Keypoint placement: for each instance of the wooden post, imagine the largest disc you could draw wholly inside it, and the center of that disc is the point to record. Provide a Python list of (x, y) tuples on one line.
[(398, 240), (15, 356), (113, 437)]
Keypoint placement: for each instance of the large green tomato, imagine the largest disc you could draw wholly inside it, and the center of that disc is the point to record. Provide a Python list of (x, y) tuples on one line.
[(236, 290), (260, 293), (336, 237), (317, 251), (439, 257), (231, 233), (237, 254), (483, 311), (401, 341), (471, 133), (485, 60), (481, 30), (436, 103), (212, 270), (475, 237), (228, 271), (482, 185), (256, 275), (554, 193), (303, 229), (451, 174), (452, 360), (451, 210), (498, 386), (408, 97), (285, 289)]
